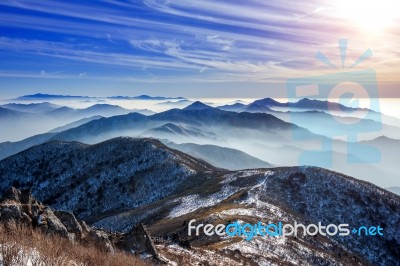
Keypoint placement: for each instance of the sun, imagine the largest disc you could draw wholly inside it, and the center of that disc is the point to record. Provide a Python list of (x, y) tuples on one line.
[(371, 15)]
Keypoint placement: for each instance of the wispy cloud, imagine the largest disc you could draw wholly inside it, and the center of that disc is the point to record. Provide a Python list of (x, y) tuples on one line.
[(198, 40)]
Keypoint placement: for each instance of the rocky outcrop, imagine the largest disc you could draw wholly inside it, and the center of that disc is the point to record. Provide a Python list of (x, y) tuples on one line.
[(20, 208), (17, 207), (54, 225), (140, 241), (102, 240), (70, 222)]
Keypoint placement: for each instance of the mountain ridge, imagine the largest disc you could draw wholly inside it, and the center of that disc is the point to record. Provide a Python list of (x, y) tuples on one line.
[(64, 171), (40, 96), (124, 181), (223, 157)]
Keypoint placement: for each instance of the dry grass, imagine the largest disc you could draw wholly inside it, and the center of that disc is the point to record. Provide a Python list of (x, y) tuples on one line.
[(22, 244)]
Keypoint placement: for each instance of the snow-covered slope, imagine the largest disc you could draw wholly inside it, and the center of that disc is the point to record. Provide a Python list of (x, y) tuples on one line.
[(118, 174), (299, 194), (122, 182)]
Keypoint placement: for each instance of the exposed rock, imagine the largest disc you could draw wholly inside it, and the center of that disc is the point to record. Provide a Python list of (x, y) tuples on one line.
[(70, 222), (54, 225), (10, 214), (85, 228), (12, 210), (102, 240), (140, 241), (20, 207)]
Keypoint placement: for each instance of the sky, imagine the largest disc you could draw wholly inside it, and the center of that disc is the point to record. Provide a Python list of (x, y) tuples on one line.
[(198, 48)]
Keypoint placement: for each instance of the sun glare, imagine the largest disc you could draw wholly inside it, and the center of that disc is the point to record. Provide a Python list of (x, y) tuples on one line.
[(371, 15)]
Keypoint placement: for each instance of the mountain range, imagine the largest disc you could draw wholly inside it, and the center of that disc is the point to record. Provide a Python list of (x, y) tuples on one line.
[(26, 120), (260, 135), (42, 97), (125, 181), (32, 107), (337, 119), (214, 165), (305, 103)]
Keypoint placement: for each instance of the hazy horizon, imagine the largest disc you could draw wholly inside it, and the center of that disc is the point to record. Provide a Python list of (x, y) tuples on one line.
[(387, 106)]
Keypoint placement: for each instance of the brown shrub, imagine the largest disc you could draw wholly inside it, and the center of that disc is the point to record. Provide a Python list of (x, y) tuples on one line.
[(21, 244)]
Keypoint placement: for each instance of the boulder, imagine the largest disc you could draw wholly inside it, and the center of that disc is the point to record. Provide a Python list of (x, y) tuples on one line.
[(54, 225), (70, 222), (101, 239), (13, 215)]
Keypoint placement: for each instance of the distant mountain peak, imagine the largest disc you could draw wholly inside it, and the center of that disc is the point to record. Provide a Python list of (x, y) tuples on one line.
[(264, 105), (31, 104), (171, 125), (145, 97), (174, 129), (63, 109), (7, 111), (307, 100), (198, 106), (318, 104), (170, 128), (104, 106), (41, 96), (235, 107), (268, 102), (384, 139)]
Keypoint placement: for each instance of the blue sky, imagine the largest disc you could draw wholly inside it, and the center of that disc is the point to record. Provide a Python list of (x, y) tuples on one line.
[(200, 48)]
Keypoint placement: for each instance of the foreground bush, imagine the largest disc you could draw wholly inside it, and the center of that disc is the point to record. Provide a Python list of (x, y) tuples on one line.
[(24, 246)]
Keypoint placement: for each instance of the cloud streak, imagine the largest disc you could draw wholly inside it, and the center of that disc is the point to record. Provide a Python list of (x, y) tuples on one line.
[(201, 40)]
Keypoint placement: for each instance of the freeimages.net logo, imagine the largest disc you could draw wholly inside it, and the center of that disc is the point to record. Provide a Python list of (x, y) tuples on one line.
[(341, 92)]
